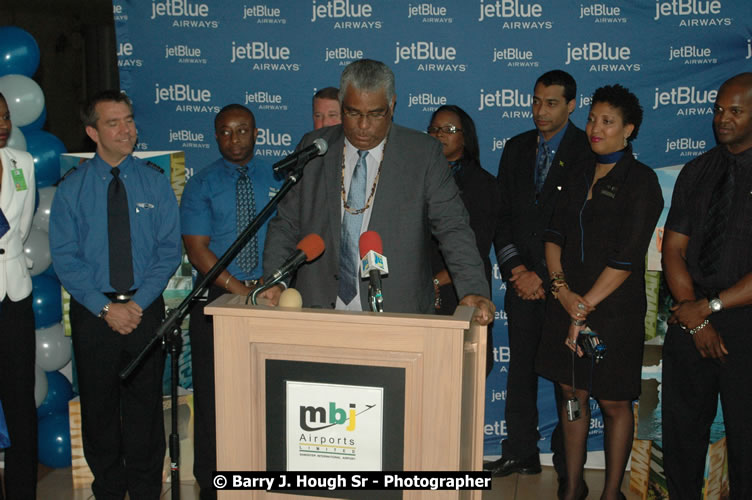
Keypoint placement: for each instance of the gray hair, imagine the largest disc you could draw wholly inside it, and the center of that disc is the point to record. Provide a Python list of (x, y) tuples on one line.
[(367, 74)]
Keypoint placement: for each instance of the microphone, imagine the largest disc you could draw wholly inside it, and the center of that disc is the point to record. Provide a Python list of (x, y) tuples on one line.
[(373, 265), (318, 148)]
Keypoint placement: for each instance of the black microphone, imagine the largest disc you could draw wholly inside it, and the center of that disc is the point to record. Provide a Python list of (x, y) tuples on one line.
[(318, 148)]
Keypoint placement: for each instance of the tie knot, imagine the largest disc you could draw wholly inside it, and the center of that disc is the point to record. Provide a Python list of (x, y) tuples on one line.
[(362, 154), (242, 170), (115, 172)]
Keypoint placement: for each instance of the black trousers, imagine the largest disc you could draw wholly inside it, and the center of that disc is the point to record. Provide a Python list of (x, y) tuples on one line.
[(201, 331), (525, 324), (122, 422), (690, 389), (17, 354)]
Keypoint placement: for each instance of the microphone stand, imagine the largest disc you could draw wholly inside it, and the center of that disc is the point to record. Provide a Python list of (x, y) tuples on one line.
[(169, 332)]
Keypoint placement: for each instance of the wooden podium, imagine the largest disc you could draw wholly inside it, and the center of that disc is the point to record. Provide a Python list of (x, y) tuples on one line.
[(440, 359)]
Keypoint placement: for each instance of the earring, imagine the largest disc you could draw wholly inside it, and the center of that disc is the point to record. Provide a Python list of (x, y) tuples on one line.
[(625, 142)]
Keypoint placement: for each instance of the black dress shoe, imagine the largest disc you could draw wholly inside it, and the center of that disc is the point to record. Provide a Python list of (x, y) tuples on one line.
[(505, 466)]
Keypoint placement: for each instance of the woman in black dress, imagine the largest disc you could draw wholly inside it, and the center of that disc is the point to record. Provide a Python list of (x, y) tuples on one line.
[(595, 253)]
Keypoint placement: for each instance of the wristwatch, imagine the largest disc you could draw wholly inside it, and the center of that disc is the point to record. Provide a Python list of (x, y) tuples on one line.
[(715, 304), (104, 311)]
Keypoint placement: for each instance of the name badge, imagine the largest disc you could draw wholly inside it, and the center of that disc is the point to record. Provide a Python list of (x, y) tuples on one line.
[(610, 191), (18, 179)]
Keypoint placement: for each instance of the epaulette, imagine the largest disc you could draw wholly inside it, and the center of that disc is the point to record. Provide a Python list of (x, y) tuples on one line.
[(66, 174), (154, 166)]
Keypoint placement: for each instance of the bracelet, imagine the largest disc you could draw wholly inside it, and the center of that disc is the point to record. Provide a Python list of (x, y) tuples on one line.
[(579, 322), (557, 285), (699, 327), (227, 282), (437, 294), (557, 275)]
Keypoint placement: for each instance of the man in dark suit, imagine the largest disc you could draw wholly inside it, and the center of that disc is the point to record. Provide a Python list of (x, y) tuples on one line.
[(382, 177), (532, 170)]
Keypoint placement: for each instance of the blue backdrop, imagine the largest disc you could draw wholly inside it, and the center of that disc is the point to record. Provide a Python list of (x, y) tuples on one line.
[(182, 60)]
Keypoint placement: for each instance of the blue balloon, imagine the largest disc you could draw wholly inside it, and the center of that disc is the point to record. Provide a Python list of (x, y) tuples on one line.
[(59, 392), (19, 52), (47, 300), (54, 443), (46, 149), (36, 124)]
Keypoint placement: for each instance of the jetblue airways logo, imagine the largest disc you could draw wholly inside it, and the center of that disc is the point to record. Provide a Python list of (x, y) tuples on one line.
[(425, 53), (602, 13), (346, 14), (428, 13), (599, 54), (428, 101), (693, 101), (278, 56), (699, 13), (183, 9), (528, 14), (514, 57), (507, 98), (125, 56)]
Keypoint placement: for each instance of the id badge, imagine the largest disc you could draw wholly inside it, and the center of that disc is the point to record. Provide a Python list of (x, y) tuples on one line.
[(18, 179)]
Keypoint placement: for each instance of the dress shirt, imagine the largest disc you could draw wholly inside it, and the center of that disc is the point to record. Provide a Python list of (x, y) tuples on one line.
[(78, 231)]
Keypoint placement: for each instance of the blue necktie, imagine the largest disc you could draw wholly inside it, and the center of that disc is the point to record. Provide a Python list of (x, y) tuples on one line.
[(246, 209), (541, 169), (348, 249)]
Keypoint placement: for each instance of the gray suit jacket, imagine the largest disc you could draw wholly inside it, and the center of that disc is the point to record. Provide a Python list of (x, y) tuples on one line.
[(416, 196)]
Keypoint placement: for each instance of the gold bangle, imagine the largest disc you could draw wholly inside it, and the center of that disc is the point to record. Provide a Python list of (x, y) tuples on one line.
[(228, 282)]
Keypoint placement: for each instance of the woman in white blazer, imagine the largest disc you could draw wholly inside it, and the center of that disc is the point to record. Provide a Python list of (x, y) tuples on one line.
[(17, 339)]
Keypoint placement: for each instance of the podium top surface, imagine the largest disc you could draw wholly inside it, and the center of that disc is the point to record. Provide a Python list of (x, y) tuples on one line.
[(234, 305)]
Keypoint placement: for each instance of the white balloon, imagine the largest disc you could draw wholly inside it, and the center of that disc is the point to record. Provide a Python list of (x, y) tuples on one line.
[(24, 97), (53, 348), (42, 217), (40, 385), (37, 248), (16, 139)]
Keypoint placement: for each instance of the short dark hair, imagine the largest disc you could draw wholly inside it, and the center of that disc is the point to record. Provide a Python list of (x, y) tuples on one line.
[(89, 113), (471, 150), (559, 77), (625, 101), (234, 107), (327, 93)]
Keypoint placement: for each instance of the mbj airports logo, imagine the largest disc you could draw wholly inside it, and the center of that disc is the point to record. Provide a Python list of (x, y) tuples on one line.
[(263, 14), (125, 56), (514, 57), (428, 13), (602, 57), (346, 14), (316, 420), (692, 13), (185, 97), (689, 101), (515, 14), (184, 14), (513, 102), (264, 56), (602, 13), (342, 55), (429, 56)]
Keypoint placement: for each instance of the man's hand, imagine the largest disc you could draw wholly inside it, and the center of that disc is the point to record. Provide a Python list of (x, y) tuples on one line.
[(690, 313), (272, 295), (124, 318), (709, 343), (527, 284), (485, 309)]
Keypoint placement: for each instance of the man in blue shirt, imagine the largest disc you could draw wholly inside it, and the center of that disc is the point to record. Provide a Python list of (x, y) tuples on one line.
[(115, 242), (217, 204)]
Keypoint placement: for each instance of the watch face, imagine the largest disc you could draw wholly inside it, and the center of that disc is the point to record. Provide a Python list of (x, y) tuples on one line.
[(715, 305)]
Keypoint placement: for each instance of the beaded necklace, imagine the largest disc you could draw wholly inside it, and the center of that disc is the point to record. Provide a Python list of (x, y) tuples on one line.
[(353, 211)]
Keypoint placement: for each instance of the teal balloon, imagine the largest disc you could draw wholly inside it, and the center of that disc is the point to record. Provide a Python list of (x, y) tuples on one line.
[(54, 442), (59, 392), (47, 300), (46, 149), (19, 52)]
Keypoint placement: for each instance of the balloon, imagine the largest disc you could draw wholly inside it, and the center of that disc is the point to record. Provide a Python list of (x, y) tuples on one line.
[(46, 149), (38, 123), (48, 302), (54, 443), (44, 203), (59, 392), (40, 385), (17, 139), (19, 52), (53, 348), (24, 97), (37, 248)]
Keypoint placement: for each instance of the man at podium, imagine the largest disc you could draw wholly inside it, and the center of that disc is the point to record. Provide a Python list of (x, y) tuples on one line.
[(382, 177)]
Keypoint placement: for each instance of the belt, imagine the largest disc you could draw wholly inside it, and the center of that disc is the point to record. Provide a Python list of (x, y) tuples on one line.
[(120, 297)]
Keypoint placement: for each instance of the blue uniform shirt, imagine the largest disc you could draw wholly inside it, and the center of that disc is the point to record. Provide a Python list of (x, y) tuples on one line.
[(78, 231), (208, 207)]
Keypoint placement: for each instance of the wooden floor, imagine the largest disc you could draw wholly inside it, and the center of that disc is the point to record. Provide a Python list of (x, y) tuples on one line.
[(56, 485)]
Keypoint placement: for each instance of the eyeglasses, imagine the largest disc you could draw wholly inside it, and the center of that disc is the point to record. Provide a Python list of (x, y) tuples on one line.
[(447, 129), (370, 116)]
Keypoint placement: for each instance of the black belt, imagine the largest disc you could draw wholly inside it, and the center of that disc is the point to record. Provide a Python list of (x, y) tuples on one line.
[(120, 297)]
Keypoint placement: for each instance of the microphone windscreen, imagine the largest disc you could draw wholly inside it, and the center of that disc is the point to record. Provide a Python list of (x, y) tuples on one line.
[(312, 246), (291, 298), (321, 145), (370, 240)]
